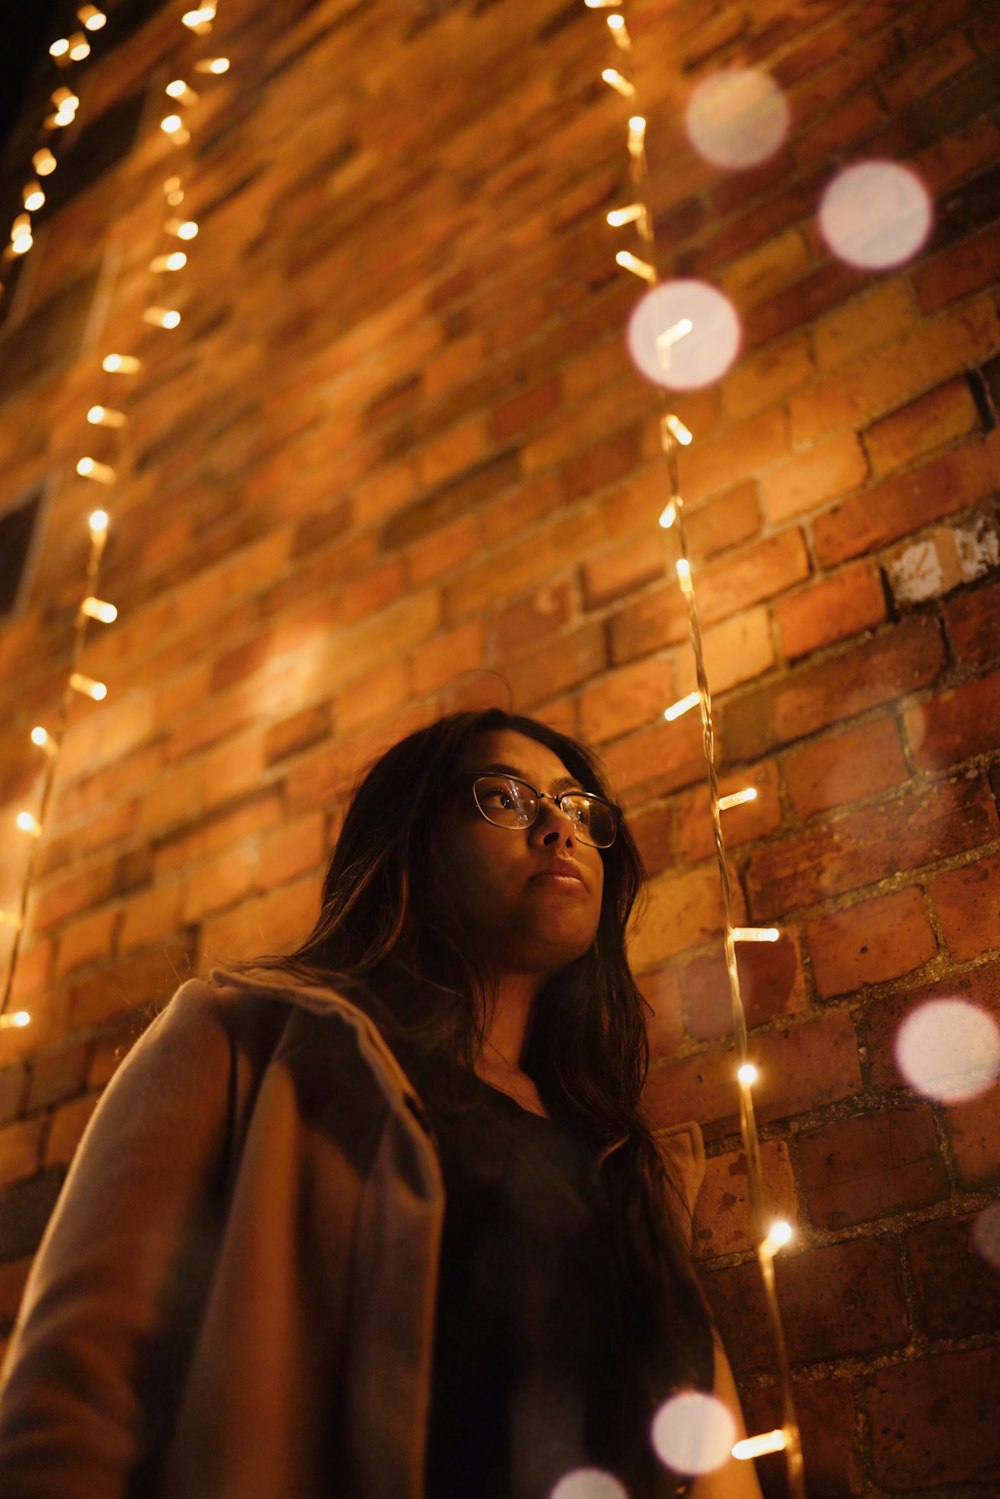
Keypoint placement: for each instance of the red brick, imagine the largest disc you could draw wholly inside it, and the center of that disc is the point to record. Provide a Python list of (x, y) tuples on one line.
[(815, 695), (740, 824), (297, 732), (658, 619), (130, 984), (767, 376), (525, 410), (724, 522), (756, 573), (66, 1127), (871, 1166), (930, 67), (375, 695), (734, 651), (524, 622), (845, 767), (974, 1134), (807, 480), (664, 1027), (709, 467), (934, 1421), (601, 465), (63, 897), (13, 1088), (828, 1427), (150, 915), (212, 834), (526, 562), (626, 699), (956, 1284), (444, 549), (956, 725), (771, 984), (57, 1075), (290, 850), (830, 609), (20, 1149), (861, 847), (221, 881), (972, 621), (868, 943), (967, 901), (622, 569), (900, 505), (653, 831), (959, 270), (86, 940), (268, 923), (457, 450), (925, 424), (722, 1222), (884, 1016), (556, 665), (683, 910), (876, 316)]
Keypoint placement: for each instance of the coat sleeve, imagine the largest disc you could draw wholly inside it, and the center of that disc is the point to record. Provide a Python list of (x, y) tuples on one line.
[(100, 1339)]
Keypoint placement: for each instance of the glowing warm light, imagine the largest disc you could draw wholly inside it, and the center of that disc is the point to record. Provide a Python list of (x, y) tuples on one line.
[(619, 216), (59, 48), (104, 416), (683, 705), (162, 317), (175, 261), (747, 1074), (755, 934), (98, 523), (91, 17), (693, 1433), (33, 198), (617, 23), (19, 1018), (630, 262), (200, 20), (21, 225), (636, 133), (760, 1446), (28, 824), (64, 98), (737, 118), (601, 4), (101, 473), (675, 427), (986, 1234), (737, 798), (949, 1049), (618, 82), (182, 228), (98, 609), (683, 334), (668, 515), (88, 687), (44, 740), (9, 918), (178, 89), (79, 47), (588, 1483), (44, 162), (121, 364), (215, 65), (619, 31), (875, 214), (21, 242), (172, 124), (61, 118), (683, 570), (778, 1235)]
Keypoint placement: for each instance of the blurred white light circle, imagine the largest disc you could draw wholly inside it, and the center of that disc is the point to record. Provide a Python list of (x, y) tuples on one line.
[(949, 1050), (737, 118), (986, 1234), (693, 1433), (683, 334), (875, 214), (588, 1483)]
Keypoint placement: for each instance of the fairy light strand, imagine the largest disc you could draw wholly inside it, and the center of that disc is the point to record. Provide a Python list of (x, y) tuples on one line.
[(674, 435)]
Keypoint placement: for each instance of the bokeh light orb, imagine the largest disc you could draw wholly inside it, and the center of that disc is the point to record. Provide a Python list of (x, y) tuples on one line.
[(875, 214), (693, 1433), (589, 1483), (683, 334), (986, 1234), (949, 1050), (737, 118)]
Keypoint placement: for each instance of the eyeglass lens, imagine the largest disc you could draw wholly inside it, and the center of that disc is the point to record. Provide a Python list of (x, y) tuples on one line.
[(508, 803)]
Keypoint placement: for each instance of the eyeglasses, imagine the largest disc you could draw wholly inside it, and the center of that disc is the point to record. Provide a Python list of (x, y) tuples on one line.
[(507, 802)]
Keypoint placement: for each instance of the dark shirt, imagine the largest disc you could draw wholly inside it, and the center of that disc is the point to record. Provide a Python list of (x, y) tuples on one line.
[(535, 1371)]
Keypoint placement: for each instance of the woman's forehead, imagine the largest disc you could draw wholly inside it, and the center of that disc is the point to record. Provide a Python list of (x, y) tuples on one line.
[(535, 762)]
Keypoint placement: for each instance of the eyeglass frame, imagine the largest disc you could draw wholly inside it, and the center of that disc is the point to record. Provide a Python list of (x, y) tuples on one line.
[(502, 775)]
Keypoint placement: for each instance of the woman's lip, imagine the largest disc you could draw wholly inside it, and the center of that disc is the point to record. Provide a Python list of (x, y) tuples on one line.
[(558, 877)]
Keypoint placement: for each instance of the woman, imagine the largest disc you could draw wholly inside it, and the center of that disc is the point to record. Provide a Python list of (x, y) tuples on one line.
[(382, 1219)]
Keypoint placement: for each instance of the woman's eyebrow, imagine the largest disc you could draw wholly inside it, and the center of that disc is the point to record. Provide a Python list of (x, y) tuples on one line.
[(562, 784)]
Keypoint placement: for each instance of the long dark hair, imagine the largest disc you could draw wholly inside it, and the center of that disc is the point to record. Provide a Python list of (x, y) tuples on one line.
[(384, 940)]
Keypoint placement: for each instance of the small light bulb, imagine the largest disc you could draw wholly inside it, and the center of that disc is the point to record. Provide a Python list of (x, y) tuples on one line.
[(182, 228), (33, 197), (618, 82), (668, 515), (28, 824), (162, 317), (768, 1441), (79, 47), (103, 416), (215, 65), (121, 364), (101, 473), (87, 687), (176, 261), (619, 216), (755, 934), (748, 1074), (683, 567), (682, 705), (21, 225), (778, 1235), (22, 242), (10, 918), (39, 736), (44, 162), (178, 89), (641, 268), (64, 98), (19, 1019), (672, 424), (616, 23), (737, 798), (91, 17), (172, 124), (99, 610), (59, 48), (98, 523)]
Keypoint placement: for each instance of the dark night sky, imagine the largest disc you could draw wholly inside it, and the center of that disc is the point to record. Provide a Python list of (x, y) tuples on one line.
[(27, 32)]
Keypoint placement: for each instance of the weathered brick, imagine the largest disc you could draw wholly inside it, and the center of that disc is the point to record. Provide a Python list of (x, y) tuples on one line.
[(860, 847), (943, 558), (972, 622), (868, 943), (736, 650), (57, 1075), (830, 609), (845, 767), (758, 572), (934, 1420), (684, 910), (626, 699), (622, 569), (956, 1284), (805, 481), (771, 984), (958, 724), (20, 1149), (447, 656), (664, 1026), (877, 315), (740, 824), (87, 939), (884, 1017), (709, 467), (935, 419), (871, 1166), (957, 271), (66, 1127), (457, 450), (557, 664), (828, 1426), (816, 695), (722, 1223), (967, 901), (767, 376), (723, 522), (296, 732)]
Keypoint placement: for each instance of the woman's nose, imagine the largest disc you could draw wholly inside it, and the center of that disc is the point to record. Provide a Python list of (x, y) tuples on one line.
[(553, 824)]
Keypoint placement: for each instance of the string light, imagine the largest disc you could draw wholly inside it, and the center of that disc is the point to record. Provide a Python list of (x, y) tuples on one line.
[(44, 162), (92, 18), (174, 194), (778, 1235), (181, 91), (173, 126), (60, 47), (747, 1074), (100, 473), (683, 705), (182, 228), (29, 824), (601, 4), (104, 416), (32, 197), (668, 515), (162, 317), (619, 216), (98, 523), (619, 83), (88, 687), (19, 1019), (630, 262), (9, 918), (683, 568), (21, 239), (79, 47), (43, 739), (755, 934), (636, 134), (737, 798), (215, 65), (760, 1446), (121, 364), (676, 429), (199, 21), (99, 610), (175, 261)]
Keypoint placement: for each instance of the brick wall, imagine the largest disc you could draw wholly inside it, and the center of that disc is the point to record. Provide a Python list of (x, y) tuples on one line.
[(396, 458)]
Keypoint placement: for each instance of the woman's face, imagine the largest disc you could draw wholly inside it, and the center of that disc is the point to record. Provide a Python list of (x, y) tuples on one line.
[(521, 915)]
